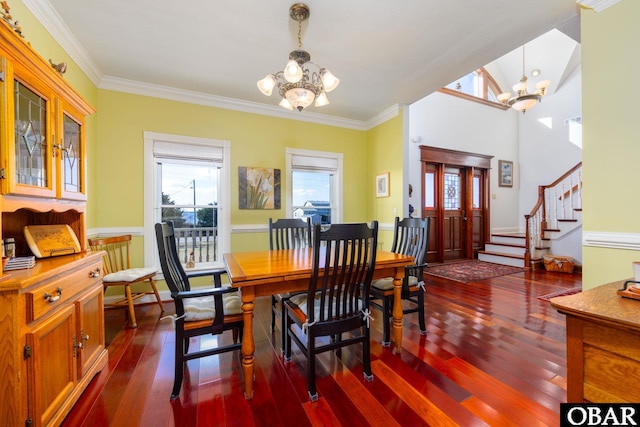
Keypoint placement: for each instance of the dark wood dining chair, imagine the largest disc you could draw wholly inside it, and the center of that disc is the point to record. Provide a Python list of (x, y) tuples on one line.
[(199, 311), (410, 237), (118, 271), (286, 233), (337, 300)]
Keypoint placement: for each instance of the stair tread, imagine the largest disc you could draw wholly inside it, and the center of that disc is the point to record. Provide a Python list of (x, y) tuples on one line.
[(510, 245), (502, 254), (514, 235), (567, 220)]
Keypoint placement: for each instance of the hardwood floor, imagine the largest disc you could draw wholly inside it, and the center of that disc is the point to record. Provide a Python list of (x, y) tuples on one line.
[(494, 355)]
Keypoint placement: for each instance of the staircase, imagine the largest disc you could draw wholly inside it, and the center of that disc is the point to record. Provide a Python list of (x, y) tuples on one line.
[(557, 213)]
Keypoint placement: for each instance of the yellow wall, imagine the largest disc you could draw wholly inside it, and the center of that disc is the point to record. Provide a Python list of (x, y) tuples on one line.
[(385, 155), (255, 141), (611, 144)]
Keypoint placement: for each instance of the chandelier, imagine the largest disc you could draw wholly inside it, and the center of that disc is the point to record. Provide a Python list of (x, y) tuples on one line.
[(523, 100), (302, 81)]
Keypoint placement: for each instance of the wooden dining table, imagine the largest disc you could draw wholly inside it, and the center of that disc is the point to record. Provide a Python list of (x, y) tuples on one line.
[(264, 273)]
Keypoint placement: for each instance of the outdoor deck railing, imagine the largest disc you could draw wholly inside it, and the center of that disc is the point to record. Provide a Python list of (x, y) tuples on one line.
[(201, 241)]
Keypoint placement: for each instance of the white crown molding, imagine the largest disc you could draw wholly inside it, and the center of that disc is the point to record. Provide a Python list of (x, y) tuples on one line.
[(597, 5), (164, 92), (383, 116), (601, 239), (51, 21)]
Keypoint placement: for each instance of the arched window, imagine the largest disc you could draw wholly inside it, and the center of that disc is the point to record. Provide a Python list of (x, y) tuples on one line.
[(476, 86)]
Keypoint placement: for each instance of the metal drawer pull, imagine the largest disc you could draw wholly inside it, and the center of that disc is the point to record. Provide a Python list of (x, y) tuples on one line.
[(51, 298), (94, 274)]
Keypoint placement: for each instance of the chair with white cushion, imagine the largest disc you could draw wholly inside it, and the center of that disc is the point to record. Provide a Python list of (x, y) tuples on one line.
[(118, 272), (201, 311), (410, 237)]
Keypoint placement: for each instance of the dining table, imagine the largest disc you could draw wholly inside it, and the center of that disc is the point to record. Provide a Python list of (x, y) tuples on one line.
[(269, 272)]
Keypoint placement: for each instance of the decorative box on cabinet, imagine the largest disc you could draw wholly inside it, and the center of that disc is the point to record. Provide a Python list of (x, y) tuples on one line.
[(52, 335), (603, 338)]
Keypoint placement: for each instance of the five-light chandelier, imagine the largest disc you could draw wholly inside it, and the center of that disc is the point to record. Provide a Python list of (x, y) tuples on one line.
[(523, 100), (302, 81)]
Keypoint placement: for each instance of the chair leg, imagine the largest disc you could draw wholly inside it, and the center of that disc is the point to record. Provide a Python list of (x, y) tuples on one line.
[(132, 311), (180, 346), (423, 328), (366, 356), (311, 372), (283, 330), (155, 291), (273, 313), (287, 339), (386, 310)]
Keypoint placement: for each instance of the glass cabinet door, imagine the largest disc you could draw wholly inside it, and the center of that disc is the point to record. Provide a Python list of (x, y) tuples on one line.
[(69, 153), (32, 167)]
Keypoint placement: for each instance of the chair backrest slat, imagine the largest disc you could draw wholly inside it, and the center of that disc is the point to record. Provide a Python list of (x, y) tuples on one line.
[(411, 237), (343, 263), (117, 253), (174, 274), (289, 233)]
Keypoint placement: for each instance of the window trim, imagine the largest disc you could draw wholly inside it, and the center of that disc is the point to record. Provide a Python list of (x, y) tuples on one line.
[(487, 82), (338, 187), (151, 183)]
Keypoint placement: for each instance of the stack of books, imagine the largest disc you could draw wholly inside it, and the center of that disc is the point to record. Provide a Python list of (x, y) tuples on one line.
[(17, 263)]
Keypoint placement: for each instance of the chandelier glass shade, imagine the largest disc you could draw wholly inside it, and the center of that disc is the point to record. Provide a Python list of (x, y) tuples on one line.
[(301, 82), (523, 100)]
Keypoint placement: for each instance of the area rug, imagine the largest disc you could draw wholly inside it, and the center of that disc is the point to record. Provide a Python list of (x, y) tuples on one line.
[(471, 271), (571, 291)]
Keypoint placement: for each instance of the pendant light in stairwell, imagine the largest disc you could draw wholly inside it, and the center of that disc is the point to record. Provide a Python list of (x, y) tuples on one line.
[(523, 100)]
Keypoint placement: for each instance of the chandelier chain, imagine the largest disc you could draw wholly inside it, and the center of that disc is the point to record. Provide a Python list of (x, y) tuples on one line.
[(300, 34)]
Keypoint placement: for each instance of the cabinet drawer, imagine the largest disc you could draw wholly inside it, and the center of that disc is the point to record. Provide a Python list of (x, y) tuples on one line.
[(58, 292)]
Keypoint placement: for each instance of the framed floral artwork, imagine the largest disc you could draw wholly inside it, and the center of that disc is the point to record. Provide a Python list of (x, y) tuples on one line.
[(382, 185), (259, 188)]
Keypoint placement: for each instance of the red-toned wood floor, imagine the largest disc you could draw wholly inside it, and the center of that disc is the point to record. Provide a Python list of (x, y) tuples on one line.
[(494, 355)]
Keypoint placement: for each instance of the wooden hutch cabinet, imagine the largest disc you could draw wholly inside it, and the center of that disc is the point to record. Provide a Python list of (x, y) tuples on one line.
[(51, 315)]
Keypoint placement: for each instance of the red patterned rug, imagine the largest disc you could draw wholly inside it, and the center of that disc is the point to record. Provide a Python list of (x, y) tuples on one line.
[(472, 270), (571, 291)]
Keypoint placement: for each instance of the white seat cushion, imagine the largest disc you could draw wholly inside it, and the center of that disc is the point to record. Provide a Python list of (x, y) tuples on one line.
[(301, 301), (386, 283), (130, 275), (204, 307)]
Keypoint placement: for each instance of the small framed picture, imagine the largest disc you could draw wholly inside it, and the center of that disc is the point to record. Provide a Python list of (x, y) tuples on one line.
[(382, 185), (505, 171)]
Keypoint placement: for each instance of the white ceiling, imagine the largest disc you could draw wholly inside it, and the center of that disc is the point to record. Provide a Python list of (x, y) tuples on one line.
[(385, 52)]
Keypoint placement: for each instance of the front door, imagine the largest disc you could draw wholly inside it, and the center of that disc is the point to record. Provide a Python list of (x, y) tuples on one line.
[(455, 198)]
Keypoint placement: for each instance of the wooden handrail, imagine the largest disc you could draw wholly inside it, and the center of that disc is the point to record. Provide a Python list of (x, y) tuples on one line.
[(541, 204)]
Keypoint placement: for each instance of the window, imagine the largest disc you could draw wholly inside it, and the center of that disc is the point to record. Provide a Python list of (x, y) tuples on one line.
[(187, 182), (476, 86), (315, 185)]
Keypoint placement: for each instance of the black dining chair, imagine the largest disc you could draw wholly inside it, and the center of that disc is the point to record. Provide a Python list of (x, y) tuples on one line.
[(337, 300), (286, 233), (200, 311), (410, 237)]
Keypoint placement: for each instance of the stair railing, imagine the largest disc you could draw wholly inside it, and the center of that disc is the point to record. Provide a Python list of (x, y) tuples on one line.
[(556, 201)]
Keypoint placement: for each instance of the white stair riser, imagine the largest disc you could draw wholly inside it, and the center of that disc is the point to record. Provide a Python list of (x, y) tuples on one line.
[(495, 247), (509, 240), (497, 259)]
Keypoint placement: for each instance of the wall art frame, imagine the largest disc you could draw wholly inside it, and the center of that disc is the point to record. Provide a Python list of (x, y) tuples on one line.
[(258, 188), (382, 184)]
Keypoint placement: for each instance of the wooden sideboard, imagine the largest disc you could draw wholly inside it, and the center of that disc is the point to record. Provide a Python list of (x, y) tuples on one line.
[(603, 345), (52, 335)]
